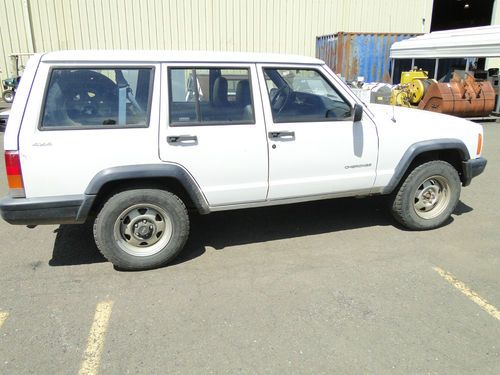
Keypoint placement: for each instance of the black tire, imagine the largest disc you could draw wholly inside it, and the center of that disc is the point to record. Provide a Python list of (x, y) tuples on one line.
[(427, 197), (142, 228), (8, 96)]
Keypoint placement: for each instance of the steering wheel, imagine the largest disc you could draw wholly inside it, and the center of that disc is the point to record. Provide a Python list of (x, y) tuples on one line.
[(280, 98), (89, 96)]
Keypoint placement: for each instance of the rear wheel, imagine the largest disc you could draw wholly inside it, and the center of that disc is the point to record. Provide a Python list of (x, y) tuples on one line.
[(142, 228), (428, 196)]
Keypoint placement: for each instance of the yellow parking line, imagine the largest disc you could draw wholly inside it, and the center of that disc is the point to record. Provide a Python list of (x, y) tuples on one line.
[(473, 296), (95, 344), (3, 317)]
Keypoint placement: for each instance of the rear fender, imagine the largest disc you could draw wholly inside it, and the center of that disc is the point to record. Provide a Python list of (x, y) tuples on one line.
[(148, 171)]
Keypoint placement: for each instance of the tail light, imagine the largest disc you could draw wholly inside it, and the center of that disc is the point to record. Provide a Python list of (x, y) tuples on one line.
[(14, 175)]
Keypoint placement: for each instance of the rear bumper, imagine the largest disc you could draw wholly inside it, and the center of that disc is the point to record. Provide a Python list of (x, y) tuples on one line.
[(71, 209), (472, 168)]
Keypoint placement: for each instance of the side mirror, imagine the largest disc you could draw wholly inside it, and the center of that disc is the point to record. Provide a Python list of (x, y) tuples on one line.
[(358, 112)]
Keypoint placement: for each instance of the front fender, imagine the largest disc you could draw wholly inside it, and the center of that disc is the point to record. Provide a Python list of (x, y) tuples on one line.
[(419, 148)]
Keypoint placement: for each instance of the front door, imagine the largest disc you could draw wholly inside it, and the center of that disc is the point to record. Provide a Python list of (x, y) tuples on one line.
[(214, 127), (315, 147)]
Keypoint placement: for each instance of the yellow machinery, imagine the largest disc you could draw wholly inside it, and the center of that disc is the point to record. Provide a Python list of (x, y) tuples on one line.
[(411, 90), (460, 97)]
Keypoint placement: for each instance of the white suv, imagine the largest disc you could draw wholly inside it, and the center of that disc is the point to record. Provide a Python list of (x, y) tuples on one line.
[(131, 139)]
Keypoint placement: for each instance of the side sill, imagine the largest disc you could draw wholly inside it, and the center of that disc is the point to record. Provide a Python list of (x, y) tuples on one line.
[(309, 198)]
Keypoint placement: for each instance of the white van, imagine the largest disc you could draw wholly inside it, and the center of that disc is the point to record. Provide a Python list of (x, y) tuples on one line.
[(132, 139)]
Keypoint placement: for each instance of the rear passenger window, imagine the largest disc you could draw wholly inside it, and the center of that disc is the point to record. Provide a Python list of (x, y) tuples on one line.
[(203, 96), (97, 98)]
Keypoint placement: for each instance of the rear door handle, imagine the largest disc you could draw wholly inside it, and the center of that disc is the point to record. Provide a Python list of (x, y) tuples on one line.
[(182, 139), (284, 134)]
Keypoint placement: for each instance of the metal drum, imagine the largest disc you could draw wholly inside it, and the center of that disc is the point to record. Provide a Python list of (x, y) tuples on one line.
[(460, 97)]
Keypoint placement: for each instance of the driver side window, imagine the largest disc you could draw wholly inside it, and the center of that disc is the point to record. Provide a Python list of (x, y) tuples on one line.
[(304, 95), (85, 97)]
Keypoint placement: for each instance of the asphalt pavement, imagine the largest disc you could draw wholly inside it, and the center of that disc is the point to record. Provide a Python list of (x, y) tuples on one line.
[(4, 105), (332, 287)]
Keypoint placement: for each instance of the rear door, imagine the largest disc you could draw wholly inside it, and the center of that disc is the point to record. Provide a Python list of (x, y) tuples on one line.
[(212, 124), (315, 147)]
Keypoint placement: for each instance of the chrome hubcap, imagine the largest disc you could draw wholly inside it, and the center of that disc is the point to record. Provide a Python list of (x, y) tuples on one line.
[(432, 197), (143, 229)]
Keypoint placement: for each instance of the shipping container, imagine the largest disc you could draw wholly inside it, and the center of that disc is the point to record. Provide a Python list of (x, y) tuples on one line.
[(354, 55)]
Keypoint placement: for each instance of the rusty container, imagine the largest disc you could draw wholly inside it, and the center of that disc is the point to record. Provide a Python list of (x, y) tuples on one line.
[(359, 54), (460, 97)]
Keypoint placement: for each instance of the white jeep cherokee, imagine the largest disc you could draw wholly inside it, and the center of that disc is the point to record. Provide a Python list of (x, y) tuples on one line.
[(132, 139)]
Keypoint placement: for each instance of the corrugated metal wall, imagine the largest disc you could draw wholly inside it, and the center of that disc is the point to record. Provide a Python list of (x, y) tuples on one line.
[(359, 54), (281, 26), (14, 33)]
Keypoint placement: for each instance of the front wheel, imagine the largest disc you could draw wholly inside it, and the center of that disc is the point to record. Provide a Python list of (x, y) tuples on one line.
[(428, 196), (142, 228)]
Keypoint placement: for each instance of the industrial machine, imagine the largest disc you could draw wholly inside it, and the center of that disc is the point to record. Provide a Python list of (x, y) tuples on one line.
[(9, 86), (462, 96), (414, 84)]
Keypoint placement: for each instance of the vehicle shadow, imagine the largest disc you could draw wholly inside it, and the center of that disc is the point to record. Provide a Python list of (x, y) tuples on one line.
[(462, 208), (74, 244), (223, 229)]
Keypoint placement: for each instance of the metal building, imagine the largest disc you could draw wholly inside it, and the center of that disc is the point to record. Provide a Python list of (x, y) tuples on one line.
[(282, 26)]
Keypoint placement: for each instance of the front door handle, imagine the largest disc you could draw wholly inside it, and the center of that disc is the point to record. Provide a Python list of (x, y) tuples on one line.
[(284, 134), (182, 139)]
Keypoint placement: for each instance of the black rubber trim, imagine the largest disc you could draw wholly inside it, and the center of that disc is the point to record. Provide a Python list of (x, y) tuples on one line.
[(85, 207), (151, 171), (420, 147), (473, 168), (71, 209)]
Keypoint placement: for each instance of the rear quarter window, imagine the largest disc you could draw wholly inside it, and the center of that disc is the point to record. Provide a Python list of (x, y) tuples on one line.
[(87, 97)]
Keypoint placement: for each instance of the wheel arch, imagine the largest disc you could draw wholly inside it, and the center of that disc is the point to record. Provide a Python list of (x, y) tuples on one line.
[(453, 151), (166, 176)]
